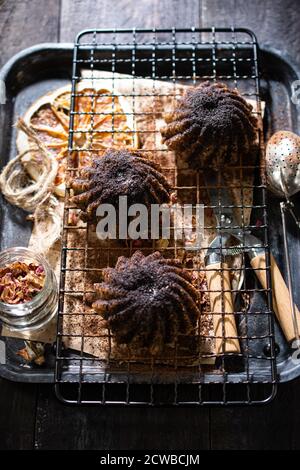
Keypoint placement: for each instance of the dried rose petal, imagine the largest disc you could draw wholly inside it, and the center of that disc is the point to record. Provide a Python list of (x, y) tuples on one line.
[(73, 219), (20, 282), (39, 270)]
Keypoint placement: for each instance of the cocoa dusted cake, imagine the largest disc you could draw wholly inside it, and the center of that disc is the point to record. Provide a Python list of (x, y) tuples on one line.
[(147, 301), (211, 125), (119, 173)]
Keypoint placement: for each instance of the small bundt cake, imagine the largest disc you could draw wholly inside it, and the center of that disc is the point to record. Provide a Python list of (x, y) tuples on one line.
[(147, 301), (211, 124), (119, 173)]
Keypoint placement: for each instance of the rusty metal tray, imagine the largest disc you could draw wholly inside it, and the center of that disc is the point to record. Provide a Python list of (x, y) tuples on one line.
[(38, 69)]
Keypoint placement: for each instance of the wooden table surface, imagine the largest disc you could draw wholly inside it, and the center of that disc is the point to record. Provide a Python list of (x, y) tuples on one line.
[(30, 415)]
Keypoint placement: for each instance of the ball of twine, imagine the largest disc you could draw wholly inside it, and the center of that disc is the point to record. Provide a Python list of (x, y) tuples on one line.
[(16, 185)]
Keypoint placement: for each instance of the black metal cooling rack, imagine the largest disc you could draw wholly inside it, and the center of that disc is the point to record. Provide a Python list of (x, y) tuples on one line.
[(177, 56)]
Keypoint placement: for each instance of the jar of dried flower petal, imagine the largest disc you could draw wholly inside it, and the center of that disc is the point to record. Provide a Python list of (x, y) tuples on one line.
[(28, 290)]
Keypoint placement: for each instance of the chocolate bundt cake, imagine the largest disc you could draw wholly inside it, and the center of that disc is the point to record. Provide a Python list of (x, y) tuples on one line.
[(147, 301), (119, 173), (211, 124)]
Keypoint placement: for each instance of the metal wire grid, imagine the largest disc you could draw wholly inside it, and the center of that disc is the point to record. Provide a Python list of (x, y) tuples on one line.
[(177, 56)]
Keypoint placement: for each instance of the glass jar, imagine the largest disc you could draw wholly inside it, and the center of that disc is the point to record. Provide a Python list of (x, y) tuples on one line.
[(38, 312)]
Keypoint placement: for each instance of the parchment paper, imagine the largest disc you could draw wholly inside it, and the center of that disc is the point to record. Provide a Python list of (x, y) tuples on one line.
[(150, 100)]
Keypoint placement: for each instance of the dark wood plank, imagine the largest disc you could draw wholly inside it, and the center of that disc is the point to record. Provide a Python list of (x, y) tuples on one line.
[(23, 23), (26, 22), (276, 23), (154, 428), (121, 428), (17, 411), (271, 427), (78, 15), (110, 428)]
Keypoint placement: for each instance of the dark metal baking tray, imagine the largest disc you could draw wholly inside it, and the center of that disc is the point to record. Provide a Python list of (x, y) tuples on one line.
[(37, 70)]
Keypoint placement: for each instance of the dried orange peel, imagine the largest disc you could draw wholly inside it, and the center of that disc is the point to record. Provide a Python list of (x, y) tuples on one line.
[(102, 120)]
